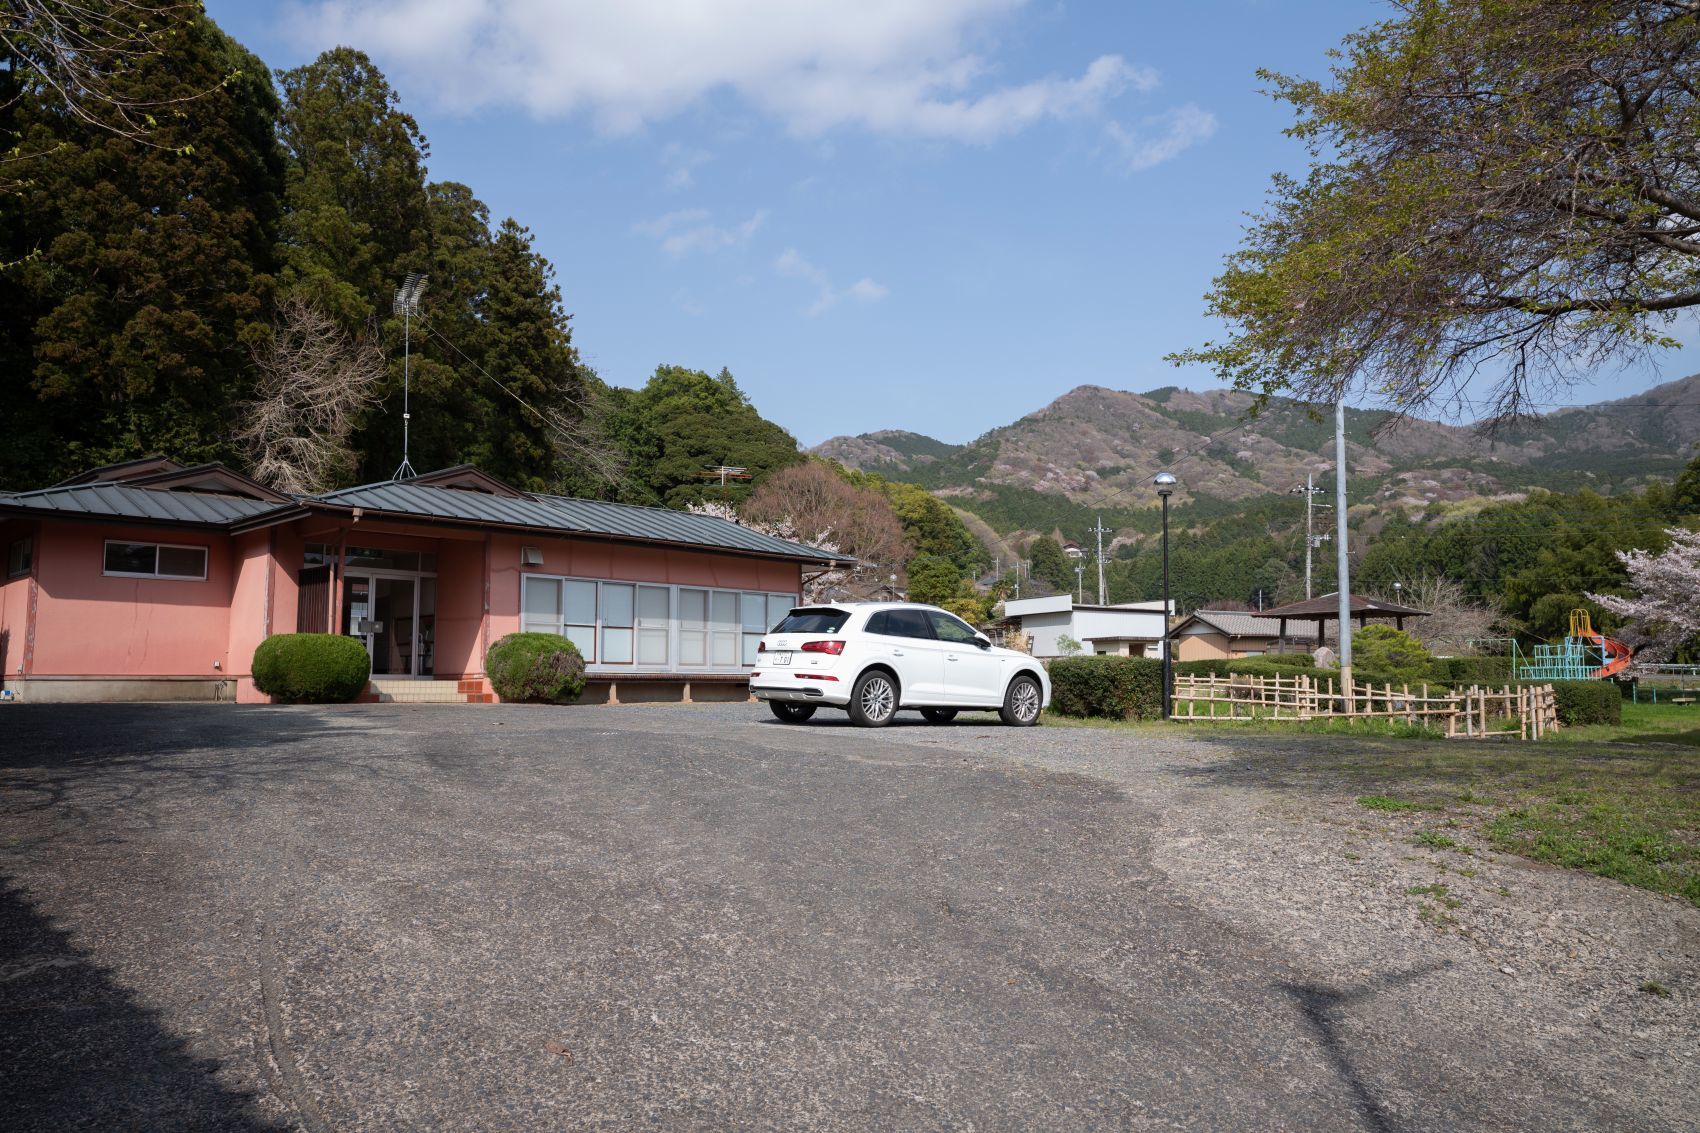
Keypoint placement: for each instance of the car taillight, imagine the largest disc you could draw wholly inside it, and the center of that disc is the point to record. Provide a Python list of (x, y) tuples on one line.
[(832, 647), (761, 647)]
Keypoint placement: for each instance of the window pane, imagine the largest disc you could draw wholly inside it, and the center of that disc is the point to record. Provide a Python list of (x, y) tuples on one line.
[(909, 623), (382, 559), (950, 629), (725, 649), (755, 612), (809, 619), (616, 646), (186, 562), (652, 647), (584, 637), (653, 604), (530, 624), (778, 605), (130, 558), (693, 647), (616, 605), (19, 557), (581, 603), (543, 599), (693, 607), (725, 608), (751, 640), (878, 623)]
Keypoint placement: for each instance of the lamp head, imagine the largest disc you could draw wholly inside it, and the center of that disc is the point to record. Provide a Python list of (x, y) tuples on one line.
[(1165, 482)]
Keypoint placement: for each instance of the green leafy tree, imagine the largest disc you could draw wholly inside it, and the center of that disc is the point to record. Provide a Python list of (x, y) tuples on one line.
[(1383, 649), (933, 580), (684, 422), (1048, 564), (932, 526), (147, 262), (1511, 185)]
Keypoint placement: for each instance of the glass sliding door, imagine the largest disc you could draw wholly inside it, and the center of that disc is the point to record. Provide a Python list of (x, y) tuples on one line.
[(396, 617)]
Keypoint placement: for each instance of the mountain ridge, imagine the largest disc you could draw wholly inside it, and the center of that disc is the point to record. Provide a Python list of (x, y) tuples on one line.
[(1093, 441)]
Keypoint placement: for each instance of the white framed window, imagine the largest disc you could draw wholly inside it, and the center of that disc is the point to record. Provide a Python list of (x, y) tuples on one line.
[(19, 558), (652, 626), (654, 620), (155, 560)]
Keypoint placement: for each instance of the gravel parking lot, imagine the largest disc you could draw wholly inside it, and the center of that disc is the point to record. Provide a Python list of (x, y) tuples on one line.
[(692, 917)]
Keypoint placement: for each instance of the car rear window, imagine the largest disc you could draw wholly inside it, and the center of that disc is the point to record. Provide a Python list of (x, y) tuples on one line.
[(813, 621)]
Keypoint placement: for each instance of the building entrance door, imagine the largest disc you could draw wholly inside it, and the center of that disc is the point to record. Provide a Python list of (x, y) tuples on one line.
[(395, 615)]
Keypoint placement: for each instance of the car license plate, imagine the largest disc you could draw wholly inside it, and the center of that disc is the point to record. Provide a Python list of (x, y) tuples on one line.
[(780, 658)]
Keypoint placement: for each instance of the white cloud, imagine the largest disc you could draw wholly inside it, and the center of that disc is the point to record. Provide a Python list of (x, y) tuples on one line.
[(1161, 136), (681, 164), (890, 66), (685, 231), (792, 264)]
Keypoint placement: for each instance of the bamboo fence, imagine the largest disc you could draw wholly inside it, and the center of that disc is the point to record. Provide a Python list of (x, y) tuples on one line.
[(1528, 711)]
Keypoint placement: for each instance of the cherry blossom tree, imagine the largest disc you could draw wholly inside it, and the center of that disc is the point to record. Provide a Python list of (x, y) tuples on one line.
[(1667, 613)]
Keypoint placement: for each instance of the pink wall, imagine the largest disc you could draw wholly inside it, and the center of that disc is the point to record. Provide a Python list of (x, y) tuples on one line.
[(88, 624), (14, 601)]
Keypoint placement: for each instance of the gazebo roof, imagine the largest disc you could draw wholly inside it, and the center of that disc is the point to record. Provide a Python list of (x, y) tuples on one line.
[(1327, 607)]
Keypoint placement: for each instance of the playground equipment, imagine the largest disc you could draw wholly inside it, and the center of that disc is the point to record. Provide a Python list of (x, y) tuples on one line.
[(1583, 655)]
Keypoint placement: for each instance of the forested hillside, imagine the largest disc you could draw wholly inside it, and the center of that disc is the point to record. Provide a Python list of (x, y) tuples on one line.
[(146, 266)]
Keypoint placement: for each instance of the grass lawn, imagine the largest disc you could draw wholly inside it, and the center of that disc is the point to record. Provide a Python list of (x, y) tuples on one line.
[(1622, 802)]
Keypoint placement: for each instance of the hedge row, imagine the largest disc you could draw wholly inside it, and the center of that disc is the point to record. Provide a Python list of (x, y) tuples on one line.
[(1123, 688), (1586, 702)]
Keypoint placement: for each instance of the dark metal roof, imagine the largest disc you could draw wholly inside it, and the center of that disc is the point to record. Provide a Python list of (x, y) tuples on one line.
[(1238, 623), (105, 499), (1328, 607), (562, 513)]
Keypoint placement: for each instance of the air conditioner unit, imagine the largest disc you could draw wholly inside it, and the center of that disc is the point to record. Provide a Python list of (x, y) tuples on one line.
[(531, 556)]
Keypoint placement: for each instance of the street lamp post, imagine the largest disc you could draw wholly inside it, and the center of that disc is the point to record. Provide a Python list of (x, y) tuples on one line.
[(1166, 482)]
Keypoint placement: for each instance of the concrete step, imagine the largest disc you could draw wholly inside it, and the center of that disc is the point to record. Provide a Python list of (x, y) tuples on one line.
[(401, 690)]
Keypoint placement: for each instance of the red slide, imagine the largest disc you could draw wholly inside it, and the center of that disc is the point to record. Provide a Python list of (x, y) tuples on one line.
[(1617, 656)]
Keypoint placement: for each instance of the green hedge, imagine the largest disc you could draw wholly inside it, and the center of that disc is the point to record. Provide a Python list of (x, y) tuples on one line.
[(1124, 688), (1586, 702), (312, 668), (1215, 667), (542, 667), (1472, 670)]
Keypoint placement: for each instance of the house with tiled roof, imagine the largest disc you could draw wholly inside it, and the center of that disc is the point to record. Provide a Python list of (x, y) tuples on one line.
[(154, 580), (1209, 635)]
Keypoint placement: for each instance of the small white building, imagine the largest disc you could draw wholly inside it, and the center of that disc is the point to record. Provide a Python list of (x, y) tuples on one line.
[(1131, 629)]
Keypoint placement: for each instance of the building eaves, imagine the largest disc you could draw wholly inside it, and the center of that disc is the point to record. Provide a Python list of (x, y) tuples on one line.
[(107, 499)]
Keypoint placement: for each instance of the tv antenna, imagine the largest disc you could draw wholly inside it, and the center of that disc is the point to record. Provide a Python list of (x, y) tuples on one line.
[(406, 302), (725, 472)]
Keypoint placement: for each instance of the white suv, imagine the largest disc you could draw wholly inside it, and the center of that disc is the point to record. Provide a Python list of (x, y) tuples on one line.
[(873, 658)]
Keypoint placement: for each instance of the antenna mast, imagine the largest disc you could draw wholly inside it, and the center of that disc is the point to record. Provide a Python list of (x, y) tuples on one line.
[(406, 302)]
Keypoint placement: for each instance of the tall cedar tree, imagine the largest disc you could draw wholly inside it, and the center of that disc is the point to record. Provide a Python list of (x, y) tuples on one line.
[(147, 261)]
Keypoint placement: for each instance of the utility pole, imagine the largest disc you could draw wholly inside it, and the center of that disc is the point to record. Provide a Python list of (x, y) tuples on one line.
[(1311, 541), (1344, 568), (1100, 530), (1080, 584)]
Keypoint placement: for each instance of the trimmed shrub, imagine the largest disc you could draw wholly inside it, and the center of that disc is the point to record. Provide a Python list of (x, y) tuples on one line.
[(1285, 660), (1214, 667), (1123, 688), (311, 668), (1388, 650), (1586, 702), (543, 667)]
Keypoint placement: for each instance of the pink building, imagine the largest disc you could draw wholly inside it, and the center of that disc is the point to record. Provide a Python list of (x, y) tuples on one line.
[(151, 581)]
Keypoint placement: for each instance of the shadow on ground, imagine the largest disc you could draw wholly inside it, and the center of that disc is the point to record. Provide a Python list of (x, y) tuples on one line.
[(75, 1043)]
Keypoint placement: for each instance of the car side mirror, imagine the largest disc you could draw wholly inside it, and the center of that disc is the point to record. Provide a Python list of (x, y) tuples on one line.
[(982, 641)]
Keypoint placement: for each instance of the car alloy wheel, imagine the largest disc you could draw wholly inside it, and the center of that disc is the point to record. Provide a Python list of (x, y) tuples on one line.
[(873, 702), (1022, 703)]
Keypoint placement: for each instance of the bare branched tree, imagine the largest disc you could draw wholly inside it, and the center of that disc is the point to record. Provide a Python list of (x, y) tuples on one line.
[(80, 49), (315, 380), (1455, 622)]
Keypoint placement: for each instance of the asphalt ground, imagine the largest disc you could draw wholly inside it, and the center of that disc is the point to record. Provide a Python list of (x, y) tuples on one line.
[(419, 917)]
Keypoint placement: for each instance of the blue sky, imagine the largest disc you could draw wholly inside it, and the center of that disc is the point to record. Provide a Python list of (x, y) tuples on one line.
[(934, 215)]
